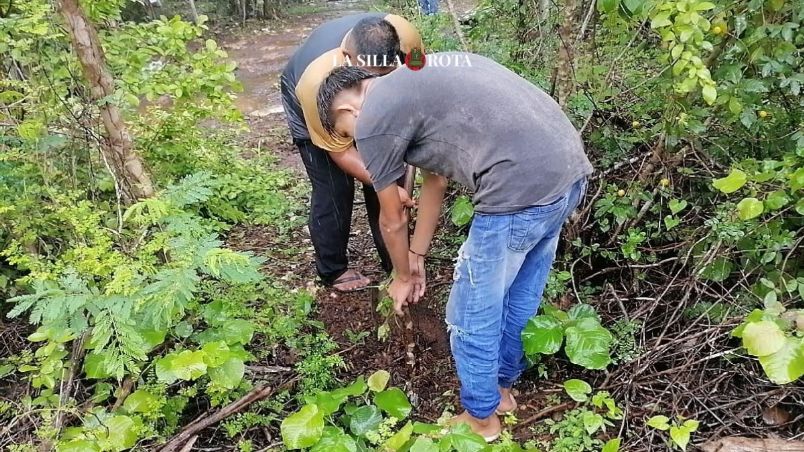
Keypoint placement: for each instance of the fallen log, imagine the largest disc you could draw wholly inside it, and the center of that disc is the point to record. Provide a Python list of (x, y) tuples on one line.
[(744, 444), (191, 430)]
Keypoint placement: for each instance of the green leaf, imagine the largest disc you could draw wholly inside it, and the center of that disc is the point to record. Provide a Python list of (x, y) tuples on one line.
[(776, 200), (607, 6), (731, 183), (709, 94), (215, 353), (659, 422), (463, 439), (634, 6), (677, 205), (543, 334), (787, 364), (718, 270), (365, 419), (670, 222), (588, 344), (237, 331), (462, 211), (578, 390), (398, 440), (749, 208), (335, 440), (140, 401), (423, 444), (582, 311), (79, 445), (662, 19), (355, 389), (118, 433), (680, 437), (763, 338), (379, 380), (612, 445), (98, 365), (303, 428), (185, 365), (229, 374), (592, 422), (691, 425), (394, 402)]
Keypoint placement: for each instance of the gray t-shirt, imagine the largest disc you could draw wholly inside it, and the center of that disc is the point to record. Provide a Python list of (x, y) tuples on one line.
[(470, 119)]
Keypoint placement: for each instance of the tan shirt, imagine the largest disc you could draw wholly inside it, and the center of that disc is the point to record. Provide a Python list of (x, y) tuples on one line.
[(319, 69)]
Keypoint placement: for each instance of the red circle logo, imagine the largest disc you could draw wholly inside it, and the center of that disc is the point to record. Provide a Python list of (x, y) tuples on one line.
[(415, 59)]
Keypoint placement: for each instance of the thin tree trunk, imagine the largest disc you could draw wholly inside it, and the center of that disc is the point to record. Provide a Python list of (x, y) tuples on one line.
[(128, 170), (195, 11), (564, 80)]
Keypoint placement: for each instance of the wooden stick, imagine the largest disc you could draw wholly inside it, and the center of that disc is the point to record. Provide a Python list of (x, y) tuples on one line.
[(408, 333), (203, 422)]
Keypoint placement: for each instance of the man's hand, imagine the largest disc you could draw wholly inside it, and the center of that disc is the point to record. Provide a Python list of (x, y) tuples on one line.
[(417, 276), (400, 291), (405, 198)]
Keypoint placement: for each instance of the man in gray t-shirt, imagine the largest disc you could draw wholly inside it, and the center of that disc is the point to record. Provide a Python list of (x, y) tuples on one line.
[(465, 117)]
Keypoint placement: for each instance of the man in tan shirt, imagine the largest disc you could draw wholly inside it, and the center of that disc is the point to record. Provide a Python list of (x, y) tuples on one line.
[(377, 42)]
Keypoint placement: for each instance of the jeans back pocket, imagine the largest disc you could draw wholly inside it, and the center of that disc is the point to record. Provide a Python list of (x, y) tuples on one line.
[(530, 225)]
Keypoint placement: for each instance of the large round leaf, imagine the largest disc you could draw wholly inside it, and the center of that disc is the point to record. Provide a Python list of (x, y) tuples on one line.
[(588, 344), (423, 444), (462, 438), (763, 338), (379, 380), (365, 419), (140, 401), (578, 390), (394, 402), (335, 440), (731, 183), (229, 374), (185, 365), (749, 208), (303, 428), (399, 439), (543, 334), (787, 364), (119, 433)]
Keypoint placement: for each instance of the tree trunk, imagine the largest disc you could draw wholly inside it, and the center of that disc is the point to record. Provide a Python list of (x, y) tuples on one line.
[(564, 73), (194, 11), (128, 170)]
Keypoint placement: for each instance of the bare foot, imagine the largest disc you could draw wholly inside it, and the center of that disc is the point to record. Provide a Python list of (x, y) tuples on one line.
[(350, 280), (507, 402), (489, 428)]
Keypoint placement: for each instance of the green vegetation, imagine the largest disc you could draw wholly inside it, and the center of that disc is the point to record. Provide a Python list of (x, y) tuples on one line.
[(134, 306)]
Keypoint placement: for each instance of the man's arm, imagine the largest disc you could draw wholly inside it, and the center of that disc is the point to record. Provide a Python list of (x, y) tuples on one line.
[(433, 189), (432, 197), (351, 163), (394, 226)]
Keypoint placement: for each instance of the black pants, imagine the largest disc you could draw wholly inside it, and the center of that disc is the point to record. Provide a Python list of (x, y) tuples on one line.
[(331, 212)]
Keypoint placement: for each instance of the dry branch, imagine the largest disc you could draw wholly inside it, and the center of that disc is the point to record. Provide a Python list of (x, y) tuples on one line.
[(743, 444), (205, 421)]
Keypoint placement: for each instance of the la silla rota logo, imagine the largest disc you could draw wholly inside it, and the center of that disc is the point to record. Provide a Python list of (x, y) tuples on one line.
[(415, 59)]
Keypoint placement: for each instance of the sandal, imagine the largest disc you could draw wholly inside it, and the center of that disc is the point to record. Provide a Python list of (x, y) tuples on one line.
[(347, 277), (504, 413)]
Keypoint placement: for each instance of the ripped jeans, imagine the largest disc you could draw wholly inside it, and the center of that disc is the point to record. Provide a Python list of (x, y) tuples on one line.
[(499, 277)]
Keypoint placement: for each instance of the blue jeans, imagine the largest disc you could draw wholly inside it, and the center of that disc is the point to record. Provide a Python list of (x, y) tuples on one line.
[(429, 6), (499, 277)]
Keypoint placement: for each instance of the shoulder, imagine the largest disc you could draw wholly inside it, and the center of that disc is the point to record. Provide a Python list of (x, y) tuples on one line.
[(316, 72)]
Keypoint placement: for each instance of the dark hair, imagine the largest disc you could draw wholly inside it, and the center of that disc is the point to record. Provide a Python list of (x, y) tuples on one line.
[(340, 79), (377, 39)]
